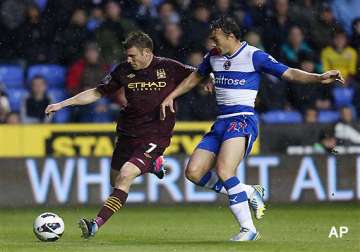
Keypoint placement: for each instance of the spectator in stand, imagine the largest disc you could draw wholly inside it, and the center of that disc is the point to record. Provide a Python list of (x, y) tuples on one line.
[(33, 107), (171, 43), (340, 56), (147, 17), (197, 30), (95, 19), (72, 40), (294, 46), (168, 14), (36, 40), (345, 131), (304, 96), (4, 104), (310, 115), (321, 32), (12, 15), (346, 115), (112, 32), (276, 30), (304, 13), (13, 118), (86, 71), (253, 38), (191, 105), (257, 15), (222, 8), (326, 143)]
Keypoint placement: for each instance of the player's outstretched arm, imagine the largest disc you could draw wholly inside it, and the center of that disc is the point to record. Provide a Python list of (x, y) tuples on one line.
[(86, 97), (297, 75), (185, 86)]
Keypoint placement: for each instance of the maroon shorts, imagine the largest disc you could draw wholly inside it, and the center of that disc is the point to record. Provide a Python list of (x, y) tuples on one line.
[(141, 152)]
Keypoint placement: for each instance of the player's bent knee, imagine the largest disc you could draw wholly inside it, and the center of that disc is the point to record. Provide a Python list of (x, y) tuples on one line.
[(193, 173)]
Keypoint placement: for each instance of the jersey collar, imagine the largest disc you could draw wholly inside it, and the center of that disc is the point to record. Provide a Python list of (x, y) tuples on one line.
[(243, 45)]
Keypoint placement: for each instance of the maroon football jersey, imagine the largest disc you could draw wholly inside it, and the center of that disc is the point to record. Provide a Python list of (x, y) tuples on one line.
[(145, 90)]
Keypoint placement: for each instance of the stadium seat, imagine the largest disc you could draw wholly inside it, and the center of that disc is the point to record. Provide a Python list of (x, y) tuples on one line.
[(41, 4), (53, 74), (343, 96), (12, 76), (280, 116), (57, 94), (328, 116), (62, 116), (16, 97)]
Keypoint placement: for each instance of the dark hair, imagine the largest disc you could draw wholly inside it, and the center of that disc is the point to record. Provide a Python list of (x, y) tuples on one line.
[(227, 25), (338, 30), (140, 40), (38, 76)]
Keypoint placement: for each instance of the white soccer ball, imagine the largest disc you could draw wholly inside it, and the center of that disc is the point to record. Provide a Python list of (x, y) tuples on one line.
[(48, 227)]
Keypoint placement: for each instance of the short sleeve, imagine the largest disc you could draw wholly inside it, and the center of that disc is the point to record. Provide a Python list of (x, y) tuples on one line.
[(204, 69), (110, 83), (264, 62)]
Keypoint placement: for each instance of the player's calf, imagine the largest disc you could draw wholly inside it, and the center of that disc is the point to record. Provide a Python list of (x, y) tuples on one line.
[(210, 180)]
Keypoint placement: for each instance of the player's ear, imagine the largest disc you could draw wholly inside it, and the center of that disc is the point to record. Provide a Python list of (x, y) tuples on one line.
[(147, 51)]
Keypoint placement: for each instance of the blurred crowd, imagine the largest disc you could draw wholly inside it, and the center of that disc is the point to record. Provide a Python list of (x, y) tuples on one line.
[(84, 37)]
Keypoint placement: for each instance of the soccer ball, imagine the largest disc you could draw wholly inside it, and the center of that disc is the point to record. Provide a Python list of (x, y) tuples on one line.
[(48, 227)]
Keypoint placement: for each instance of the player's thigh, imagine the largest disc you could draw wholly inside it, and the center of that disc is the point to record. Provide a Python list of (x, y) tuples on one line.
[(230, 155), (201, 161), (146, 153)]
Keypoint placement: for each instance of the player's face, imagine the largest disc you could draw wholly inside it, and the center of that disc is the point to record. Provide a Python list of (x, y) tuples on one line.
[(138, 58), (222, 41)]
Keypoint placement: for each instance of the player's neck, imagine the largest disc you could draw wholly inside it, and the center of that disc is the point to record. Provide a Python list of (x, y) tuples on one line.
[(235, 47)]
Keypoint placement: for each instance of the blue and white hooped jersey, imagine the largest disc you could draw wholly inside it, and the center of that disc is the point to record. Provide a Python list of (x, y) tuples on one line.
[(237, 77)]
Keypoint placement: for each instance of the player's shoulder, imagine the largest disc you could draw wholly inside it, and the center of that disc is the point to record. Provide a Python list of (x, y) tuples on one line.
[(171, 63), (250, 50), (165, 61), (121, 68)]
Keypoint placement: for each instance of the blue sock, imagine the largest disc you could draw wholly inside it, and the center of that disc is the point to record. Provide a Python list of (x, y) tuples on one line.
[(211, 181)]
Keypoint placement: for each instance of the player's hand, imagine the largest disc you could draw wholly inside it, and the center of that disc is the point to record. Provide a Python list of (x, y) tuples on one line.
[(209, 87), (52, 108), (331, 76), (168, 102)]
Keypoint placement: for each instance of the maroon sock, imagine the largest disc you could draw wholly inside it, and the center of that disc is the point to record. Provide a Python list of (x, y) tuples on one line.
[(113, 204)]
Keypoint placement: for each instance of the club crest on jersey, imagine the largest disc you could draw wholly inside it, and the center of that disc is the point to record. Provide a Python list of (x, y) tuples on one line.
[(160, 73), (130, 76), (227, 65)]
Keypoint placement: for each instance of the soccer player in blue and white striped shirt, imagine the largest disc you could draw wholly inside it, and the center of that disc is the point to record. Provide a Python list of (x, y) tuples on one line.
[(237, 67)]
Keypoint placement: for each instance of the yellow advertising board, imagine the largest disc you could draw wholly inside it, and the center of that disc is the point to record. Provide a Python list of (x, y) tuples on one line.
[(67, 140)]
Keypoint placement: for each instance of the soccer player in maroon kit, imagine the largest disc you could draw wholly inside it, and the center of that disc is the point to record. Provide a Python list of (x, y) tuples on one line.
[(142, 136)]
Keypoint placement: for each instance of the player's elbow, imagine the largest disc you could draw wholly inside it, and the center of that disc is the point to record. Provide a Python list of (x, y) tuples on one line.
[(289, 75)]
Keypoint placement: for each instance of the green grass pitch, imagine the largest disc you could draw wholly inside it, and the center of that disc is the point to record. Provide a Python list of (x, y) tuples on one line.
[(189, 228)]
